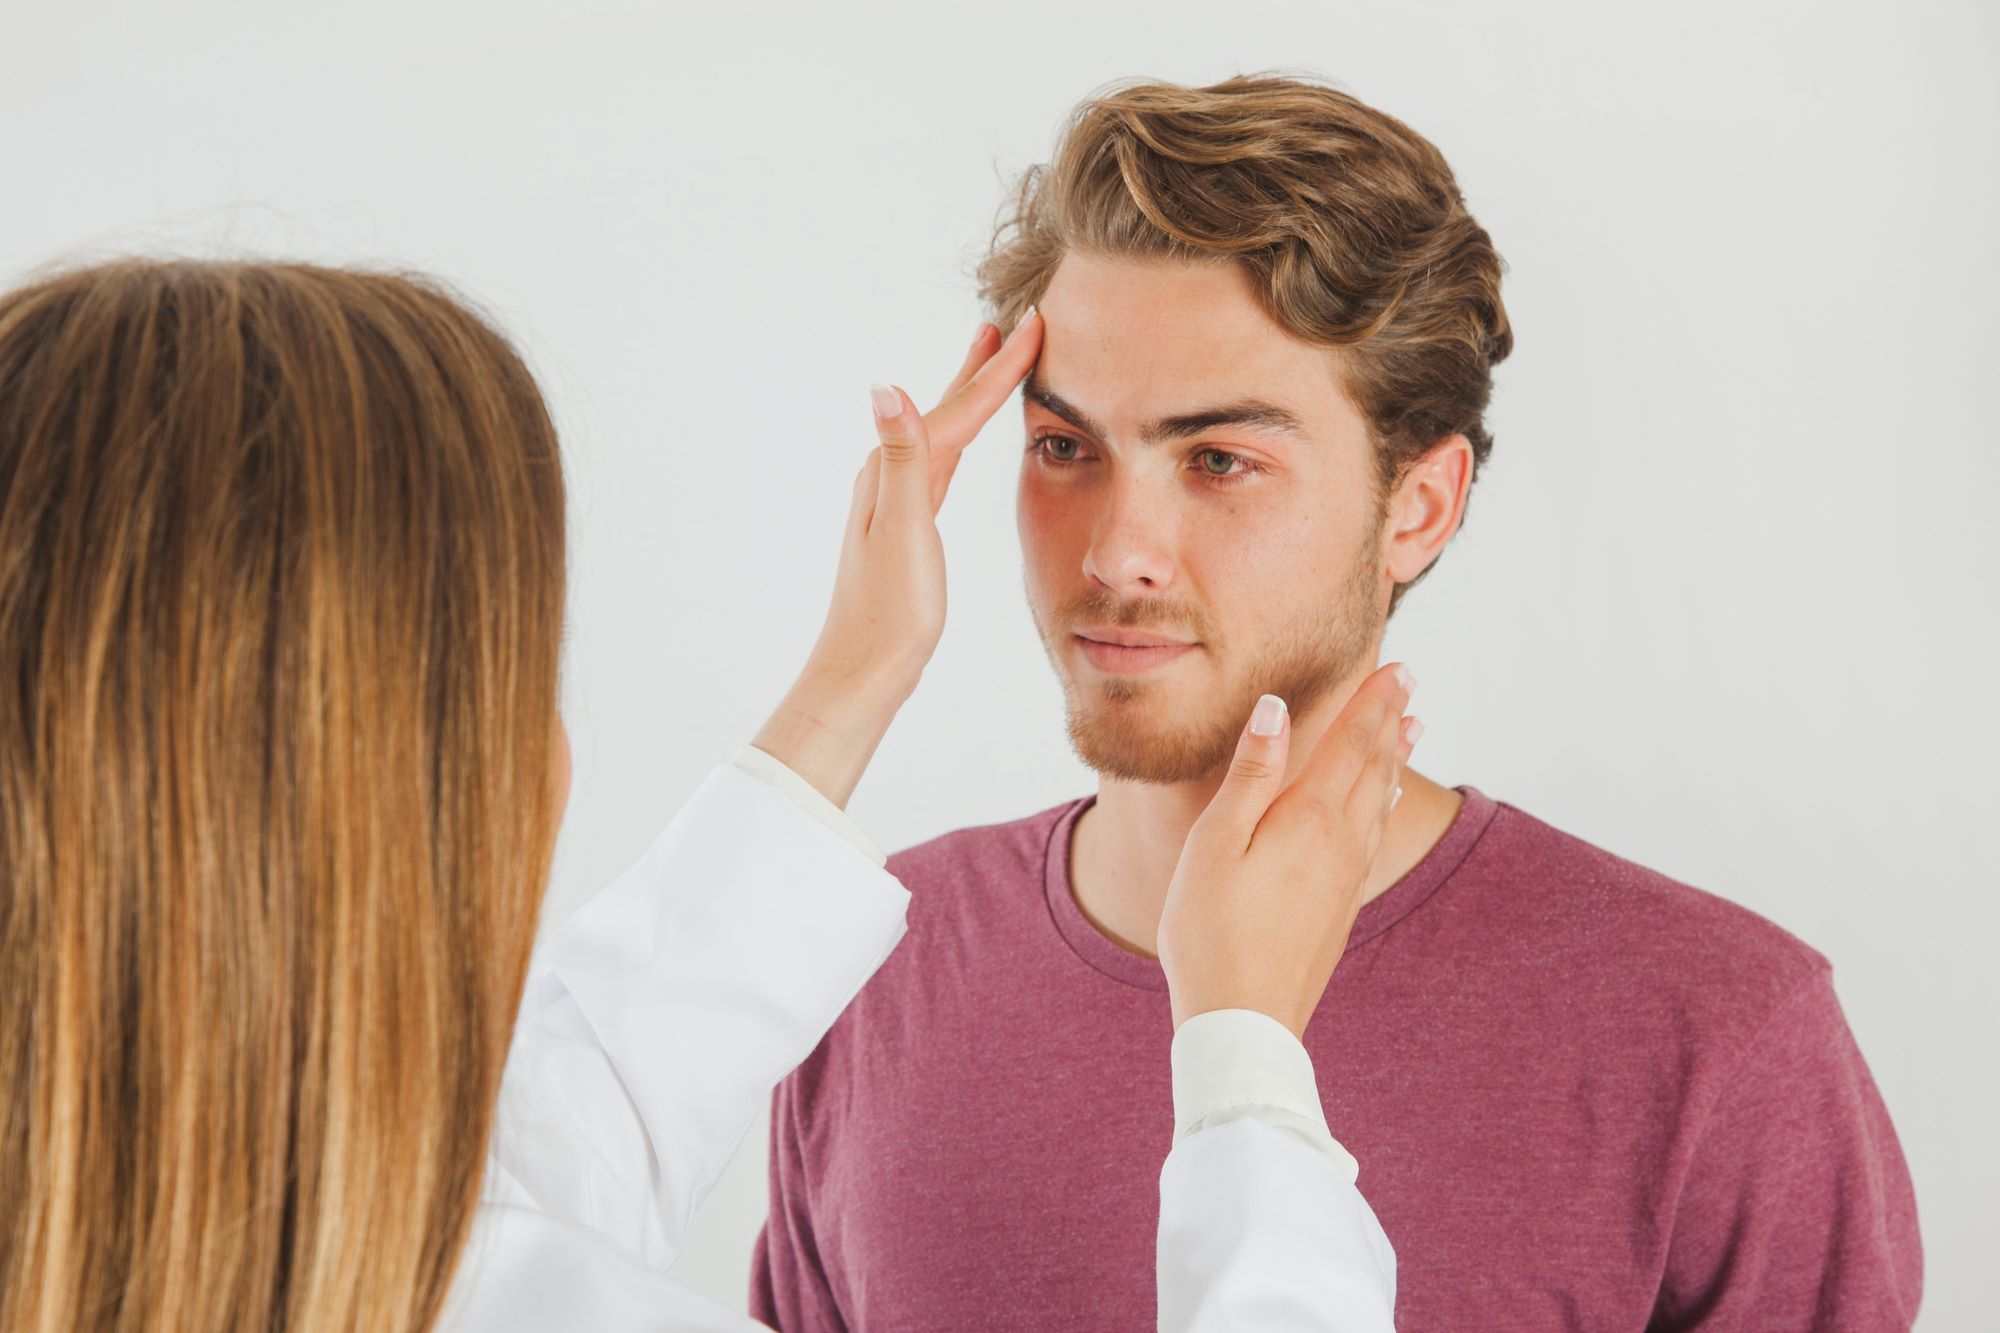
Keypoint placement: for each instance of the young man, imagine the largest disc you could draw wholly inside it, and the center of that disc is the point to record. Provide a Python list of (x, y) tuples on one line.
[(1581, 1095)]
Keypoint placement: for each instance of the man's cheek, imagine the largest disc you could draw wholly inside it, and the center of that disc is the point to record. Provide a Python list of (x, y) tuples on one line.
[(1044, 527), (1250, 547), (1039, 571)]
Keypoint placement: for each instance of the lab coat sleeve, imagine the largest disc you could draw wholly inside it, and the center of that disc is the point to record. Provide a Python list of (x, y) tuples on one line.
[(1261, 1225), (766, 767), (656, 1022)]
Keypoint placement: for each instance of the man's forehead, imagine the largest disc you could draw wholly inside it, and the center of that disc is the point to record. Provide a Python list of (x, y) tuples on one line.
[(1103, 296), (1133, 342)]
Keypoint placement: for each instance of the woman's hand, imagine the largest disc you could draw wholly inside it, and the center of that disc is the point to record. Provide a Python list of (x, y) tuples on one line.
[(1270, 878), (889, 592)]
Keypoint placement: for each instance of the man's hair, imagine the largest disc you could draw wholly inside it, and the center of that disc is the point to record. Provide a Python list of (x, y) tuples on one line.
[(1349, 222)]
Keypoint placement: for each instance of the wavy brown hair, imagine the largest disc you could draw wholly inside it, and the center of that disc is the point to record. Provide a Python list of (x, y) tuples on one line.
[(1350, 223), (281, 591)]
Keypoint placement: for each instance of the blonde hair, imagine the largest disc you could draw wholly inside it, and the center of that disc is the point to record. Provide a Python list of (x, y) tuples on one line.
[(1349, 222), (281, 592)]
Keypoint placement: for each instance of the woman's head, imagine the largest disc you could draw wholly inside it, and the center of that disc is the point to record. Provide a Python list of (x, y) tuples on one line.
[(281, 591)]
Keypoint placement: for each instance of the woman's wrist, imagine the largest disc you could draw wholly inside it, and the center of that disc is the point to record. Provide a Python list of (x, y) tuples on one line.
[(1188, 1002), (827, 730)]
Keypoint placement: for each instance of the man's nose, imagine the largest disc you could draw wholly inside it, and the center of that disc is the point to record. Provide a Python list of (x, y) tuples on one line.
[(1132, 544)]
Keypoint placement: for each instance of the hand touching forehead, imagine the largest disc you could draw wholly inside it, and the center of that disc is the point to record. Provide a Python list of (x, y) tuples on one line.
[(1132, 344)]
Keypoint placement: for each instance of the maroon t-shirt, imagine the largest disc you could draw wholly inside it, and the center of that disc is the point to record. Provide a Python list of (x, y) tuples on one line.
[(1583, 1096)]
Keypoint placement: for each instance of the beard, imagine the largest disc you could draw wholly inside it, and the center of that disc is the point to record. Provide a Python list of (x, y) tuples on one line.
[(1132, 729)]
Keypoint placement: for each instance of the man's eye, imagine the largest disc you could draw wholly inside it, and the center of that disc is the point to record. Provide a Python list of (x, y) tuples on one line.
[(1060, 448), (1224, 468)]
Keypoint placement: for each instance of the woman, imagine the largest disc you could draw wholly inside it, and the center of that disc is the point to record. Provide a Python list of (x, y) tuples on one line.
[(281, 594)]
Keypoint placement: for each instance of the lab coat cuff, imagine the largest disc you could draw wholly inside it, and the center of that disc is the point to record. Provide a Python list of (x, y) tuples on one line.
[(1234, 1064), (765, 767)]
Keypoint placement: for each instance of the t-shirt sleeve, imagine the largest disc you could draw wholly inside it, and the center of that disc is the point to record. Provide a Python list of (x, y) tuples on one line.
[(1796, 1211), (789, 1288)]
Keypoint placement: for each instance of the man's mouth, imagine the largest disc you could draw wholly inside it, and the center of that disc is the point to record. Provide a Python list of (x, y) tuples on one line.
[(1128, 652)]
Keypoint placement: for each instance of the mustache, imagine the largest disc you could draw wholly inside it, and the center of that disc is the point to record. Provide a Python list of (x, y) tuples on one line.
[(1158, 614)]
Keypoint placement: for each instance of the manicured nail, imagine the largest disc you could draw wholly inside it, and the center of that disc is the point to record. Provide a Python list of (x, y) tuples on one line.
[(888, 402), (1413, 730), (979, 334), (1395, 797), (1405, 678), (1268, 718)]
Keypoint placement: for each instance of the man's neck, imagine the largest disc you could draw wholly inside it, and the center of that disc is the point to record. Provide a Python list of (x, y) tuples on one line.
[(1125, 846)]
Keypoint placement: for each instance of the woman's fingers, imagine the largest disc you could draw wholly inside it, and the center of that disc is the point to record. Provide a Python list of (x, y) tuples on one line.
[(1354, 745), (959, 416), (867, 485), (1374, 791), (906, 456), (985, 378), (1409, 731), (984, 343), (941, 474), (1256, 774)]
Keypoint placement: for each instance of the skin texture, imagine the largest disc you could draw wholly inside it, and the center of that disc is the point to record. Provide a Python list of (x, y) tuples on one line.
[(1280, 569)]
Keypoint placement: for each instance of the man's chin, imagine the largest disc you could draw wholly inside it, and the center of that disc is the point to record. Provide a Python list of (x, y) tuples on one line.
[(1134, 749)]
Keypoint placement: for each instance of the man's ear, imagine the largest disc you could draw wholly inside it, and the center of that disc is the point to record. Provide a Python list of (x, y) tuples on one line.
[(1426, 508)]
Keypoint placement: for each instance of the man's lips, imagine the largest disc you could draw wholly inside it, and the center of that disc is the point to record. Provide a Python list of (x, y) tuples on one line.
[(1128, 651), (1130, 638)]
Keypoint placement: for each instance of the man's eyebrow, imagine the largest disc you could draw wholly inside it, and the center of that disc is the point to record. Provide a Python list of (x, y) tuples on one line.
[(1040, 394), (1186, 425), (1248, 412)]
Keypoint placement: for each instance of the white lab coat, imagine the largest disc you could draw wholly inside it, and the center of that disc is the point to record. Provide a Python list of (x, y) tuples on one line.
[(658, 1019)]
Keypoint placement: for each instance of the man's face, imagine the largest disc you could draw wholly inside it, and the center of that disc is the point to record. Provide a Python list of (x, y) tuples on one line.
[(1194, 479)]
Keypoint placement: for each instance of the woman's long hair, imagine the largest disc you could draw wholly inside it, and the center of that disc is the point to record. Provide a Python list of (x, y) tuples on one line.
[(281, 593)]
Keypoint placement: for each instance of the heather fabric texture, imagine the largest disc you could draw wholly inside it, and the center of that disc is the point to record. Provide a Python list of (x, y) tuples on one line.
[(1581, 1096)]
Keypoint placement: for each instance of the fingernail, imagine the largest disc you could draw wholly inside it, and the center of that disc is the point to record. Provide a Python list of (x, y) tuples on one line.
[(1027, 315), (1405, 678), (979, 334), (1413, 730), (1397, 796), (1268, 717), (888, 402)]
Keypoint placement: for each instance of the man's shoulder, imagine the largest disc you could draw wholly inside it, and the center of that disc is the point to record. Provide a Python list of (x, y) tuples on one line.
[(1573, 900)]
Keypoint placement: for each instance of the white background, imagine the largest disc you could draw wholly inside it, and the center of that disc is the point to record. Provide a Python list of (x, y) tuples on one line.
[(1726, 602)]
